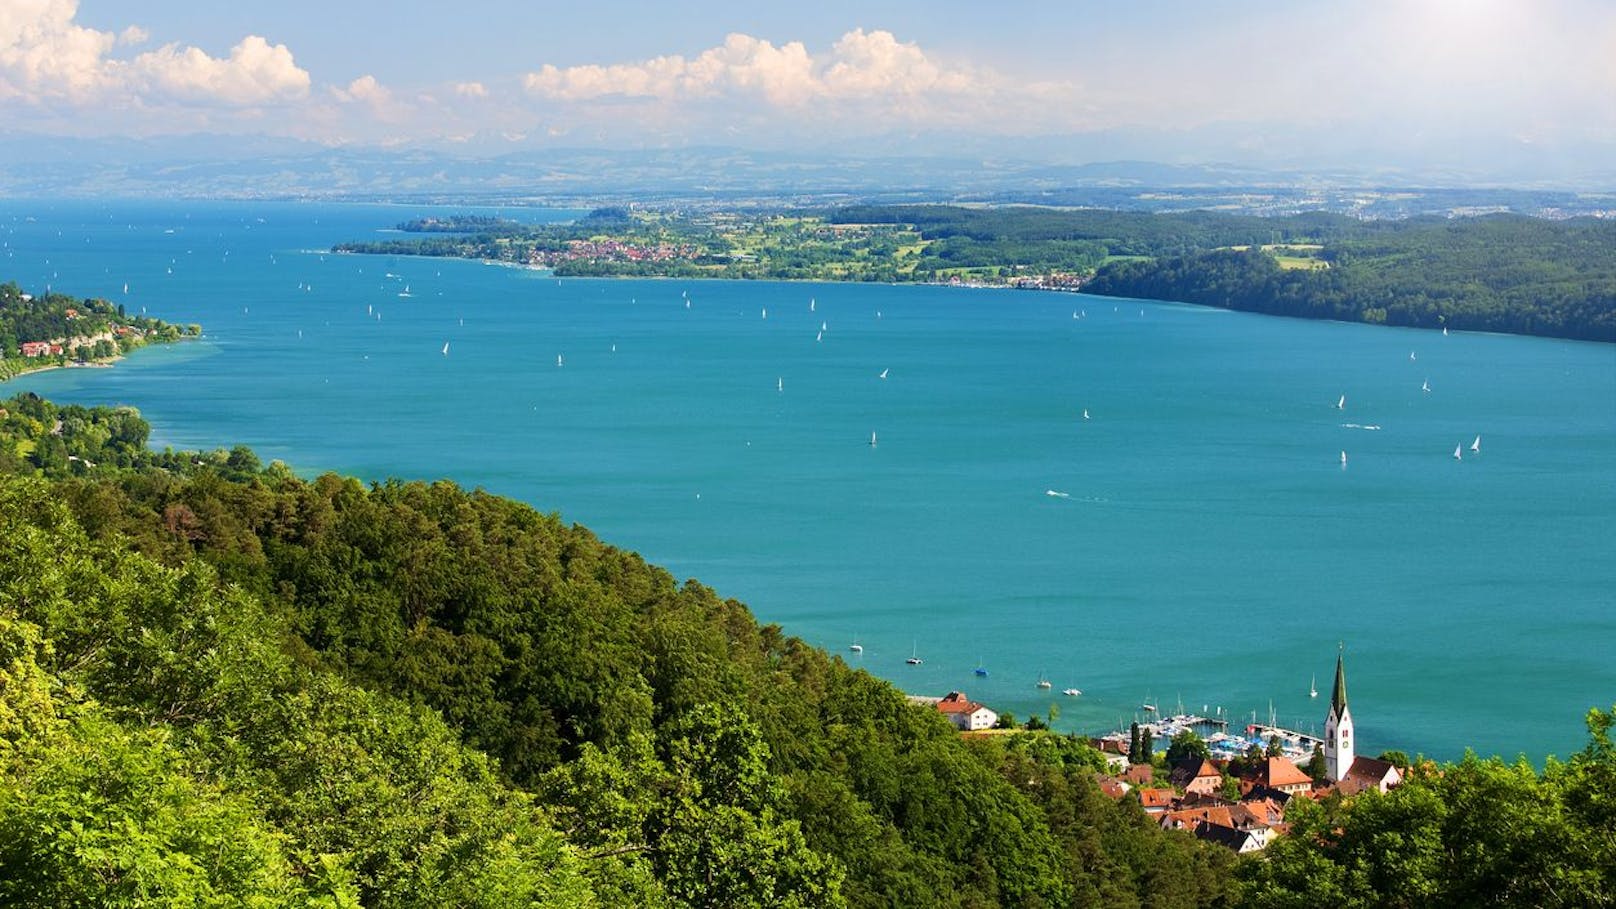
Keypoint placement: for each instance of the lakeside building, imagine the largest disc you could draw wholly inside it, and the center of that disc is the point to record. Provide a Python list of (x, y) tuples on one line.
[(967, 715), (1338, 745), (1196, 776), (1370, 773)]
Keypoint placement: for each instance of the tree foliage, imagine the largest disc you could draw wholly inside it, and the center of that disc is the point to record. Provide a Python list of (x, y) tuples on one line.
[(420, 695), (221, 684), (1477, 833), (1501, 273)]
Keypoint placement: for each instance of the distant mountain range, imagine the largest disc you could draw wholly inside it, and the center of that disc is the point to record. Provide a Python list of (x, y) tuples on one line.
[(214, 166)]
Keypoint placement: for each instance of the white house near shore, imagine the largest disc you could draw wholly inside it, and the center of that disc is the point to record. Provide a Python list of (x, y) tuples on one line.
[(963, 712)]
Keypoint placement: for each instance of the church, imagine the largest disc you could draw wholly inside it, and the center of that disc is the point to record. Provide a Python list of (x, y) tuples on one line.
[(1342, 765)]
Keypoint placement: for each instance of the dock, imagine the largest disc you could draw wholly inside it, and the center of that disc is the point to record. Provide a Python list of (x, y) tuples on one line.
[(1223, 743)]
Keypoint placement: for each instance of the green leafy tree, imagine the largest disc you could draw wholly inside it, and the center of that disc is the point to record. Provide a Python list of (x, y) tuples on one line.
[(1479, 832), (1397, 759), (1316, 766), (1187, 745), (719, 837)]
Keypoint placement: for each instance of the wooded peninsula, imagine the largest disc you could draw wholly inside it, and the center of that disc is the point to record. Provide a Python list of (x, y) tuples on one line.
[(41, 332), (225, 684), (1505, 273)]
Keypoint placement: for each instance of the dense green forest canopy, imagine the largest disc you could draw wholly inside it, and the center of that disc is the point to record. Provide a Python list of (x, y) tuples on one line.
[(1498, 273), (221, 683), (1506, 273)]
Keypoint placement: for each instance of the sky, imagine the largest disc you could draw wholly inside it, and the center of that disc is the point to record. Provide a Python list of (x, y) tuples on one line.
[(1394, 82)]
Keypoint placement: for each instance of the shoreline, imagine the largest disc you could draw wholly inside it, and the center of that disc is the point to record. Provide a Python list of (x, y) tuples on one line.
[(89, 364), (963, 285), (103, 363)]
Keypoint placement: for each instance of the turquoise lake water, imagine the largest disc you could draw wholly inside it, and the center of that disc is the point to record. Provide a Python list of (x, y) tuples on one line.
[(1207, 547)]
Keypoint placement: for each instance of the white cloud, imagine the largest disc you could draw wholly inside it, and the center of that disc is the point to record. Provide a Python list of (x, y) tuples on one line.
[(46, 57), (364, 90), (861, 66), (470, 90), (256, 72), (877, 63), (43, 53)]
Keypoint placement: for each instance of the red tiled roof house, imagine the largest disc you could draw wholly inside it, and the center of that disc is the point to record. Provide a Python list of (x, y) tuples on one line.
[(965, 713)]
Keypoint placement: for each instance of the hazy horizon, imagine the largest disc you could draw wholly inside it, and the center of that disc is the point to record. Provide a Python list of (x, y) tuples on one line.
[(1490, 90)]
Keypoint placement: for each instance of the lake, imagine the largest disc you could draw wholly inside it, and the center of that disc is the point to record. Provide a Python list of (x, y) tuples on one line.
[(1196, 539)]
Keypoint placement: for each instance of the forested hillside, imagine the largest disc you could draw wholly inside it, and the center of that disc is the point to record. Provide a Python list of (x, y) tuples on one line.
[(410, 694), (221, 684), (1502, 273)]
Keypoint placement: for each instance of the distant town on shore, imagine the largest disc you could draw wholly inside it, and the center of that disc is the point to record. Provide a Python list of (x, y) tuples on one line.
[(1491, 272)]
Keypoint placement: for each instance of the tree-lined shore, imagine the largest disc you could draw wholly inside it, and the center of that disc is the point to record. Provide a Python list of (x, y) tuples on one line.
[(53, 329), (1504, 273)]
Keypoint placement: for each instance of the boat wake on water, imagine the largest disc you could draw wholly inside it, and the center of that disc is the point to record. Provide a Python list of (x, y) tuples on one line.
[(1372, 427), (1057, 495)]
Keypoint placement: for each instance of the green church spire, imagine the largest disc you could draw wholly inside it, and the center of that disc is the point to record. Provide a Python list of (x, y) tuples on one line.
[(1338, 698)]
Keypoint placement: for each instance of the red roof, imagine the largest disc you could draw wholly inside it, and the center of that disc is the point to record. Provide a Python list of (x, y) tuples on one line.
[(1114, 788), (957, 702), (1370, 768), (1280, 771), (1182, 820), (1156, 798)]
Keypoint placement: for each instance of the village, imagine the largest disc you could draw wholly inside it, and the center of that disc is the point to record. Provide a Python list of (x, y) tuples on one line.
[(57, 330), (1228, 789), (609, 250)]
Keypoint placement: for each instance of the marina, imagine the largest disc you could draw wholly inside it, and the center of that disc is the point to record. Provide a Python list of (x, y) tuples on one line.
[(1224, 743)]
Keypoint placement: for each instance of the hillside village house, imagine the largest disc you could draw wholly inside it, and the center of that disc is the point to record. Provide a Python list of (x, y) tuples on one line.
[(1281, 775), (964, 713), (1370, 773), (1197, 776)]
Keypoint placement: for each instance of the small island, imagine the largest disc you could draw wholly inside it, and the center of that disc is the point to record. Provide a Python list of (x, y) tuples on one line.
[(55, 329)]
